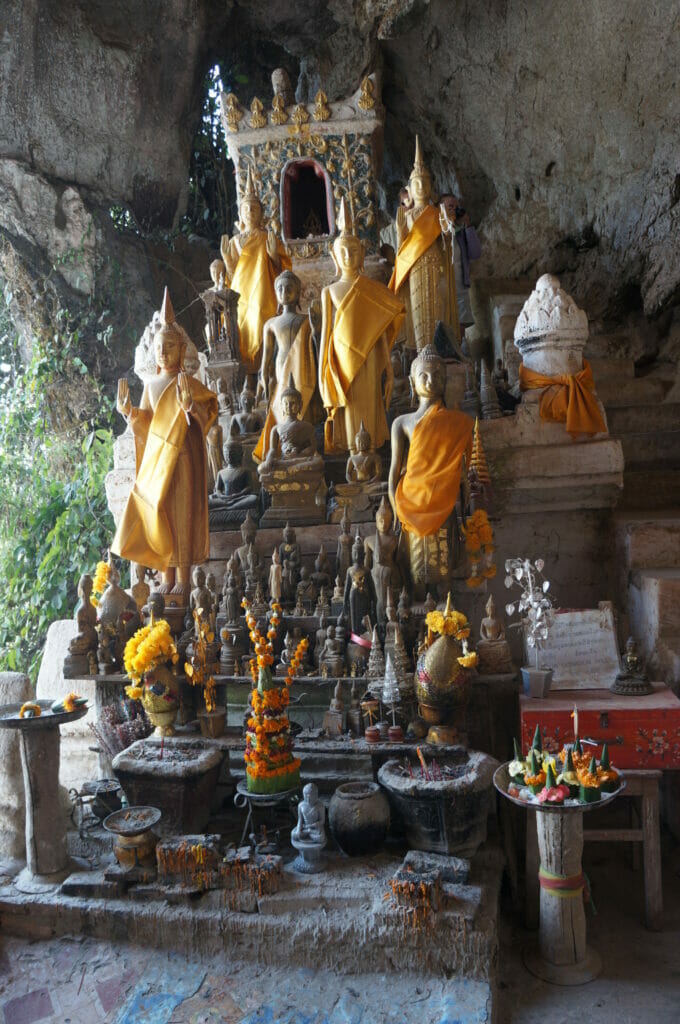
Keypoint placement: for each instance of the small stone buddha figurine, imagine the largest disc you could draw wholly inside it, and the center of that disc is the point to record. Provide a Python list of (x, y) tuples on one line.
[(331, 656), (359, 322), (221, 323), (424, 273), (359, 497), (292, 473), (276, 577), (253, 258), (248, 421), (355, 721), (287, 349), (248, 536), (360, 598), (200, 599), (632, 680), (493, 649), (321, 577), (253, 573), (401, 390), (211, 584), (232, 601), (309, 835), (232, 496), (323, 605), (333, 720), (343, 558), (165, 522), (290, 551), (364, 465), (140, 589), (286, 654), (82, 649), (428, 449), (338, 591), (304, 591), (381, 553)]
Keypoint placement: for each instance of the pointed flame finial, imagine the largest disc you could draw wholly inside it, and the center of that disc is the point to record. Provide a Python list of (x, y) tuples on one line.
[(344, 222), (419, 166), (449, 607), (250, 191), (167, 312)]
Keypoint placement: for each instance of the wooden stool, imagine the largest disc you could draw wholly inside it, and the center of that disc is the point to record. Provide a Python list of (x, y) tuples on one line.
[(643, 784)]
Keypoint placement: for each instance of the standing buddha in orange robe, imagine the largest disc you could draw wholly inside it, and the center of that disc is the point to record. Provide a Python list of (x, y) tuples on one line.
[(253, 258), (424, 273), (428, 448), (165, 523), (360, 319)]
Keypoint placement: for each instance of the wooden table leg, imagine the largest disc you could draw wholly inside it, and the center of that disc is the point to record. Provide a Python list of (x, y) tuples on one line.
[(651, 852), (531, 864), (562, 956)]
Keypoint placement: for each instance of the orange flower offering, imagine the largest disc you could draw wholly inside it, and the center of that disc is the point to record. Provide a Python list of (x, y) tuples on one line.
[(270, 764)]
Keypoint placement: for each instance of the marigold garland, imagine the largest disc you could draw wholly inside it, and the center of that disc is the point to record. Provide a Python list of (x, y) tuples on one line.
[(151, 646), (478, 534), (100, 581)]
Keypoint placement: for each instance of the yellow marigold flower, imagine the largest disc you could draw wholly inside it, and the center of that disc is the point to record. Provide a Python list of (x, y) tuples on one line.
[(134, 692), (468, 660), (489, 572)]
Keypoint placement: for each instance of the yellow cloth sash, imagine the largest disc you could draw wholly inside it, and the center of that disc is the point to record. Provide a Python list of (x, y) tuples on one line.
[(253, 279), (567, 398), (367, 311), (427, 493), (145, 532), (301, 363), (425, 230)]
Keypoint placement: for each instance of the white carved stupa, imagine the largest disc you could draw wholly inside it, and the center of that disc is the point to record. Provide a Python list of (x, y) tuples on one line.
[(551, 331)]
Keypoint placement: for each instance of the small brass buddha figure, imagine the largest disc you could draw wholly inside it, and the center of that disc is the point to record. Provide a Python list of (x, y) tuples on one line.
[(221, 324), (253, 258), (493, 650), (632, 681), (82, 649), (429, 447)]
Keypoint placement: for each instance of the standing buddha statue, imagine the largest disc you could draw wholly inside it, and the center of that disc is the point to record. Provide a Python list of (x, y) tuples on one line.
[(253, 258), (359, 322), (165, 522), (287, 349), (423, 274), (428, 448)]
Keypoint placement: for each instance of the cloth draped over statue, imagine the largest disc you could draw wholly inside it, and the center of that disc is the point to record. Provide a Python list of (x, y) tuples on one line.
[(438, 295), (427, 492), (165, 521), (567, 398), (253, 279), (355, 355), (301, 362)]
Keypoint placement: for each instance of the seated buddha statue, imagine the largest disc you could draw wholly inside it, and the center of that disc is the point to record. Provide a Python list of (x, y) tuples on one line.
[(292, 472), (429, 446), (493, 650), (232, 496), (360, 496), (247, 423)]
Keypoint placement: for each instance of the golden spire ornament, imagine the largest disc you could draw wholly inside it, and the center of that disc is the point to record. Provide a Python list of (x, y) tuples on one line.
[(167, 312), (321, 110), (257, 118), (419, 166), (344, 221), (250, 192)]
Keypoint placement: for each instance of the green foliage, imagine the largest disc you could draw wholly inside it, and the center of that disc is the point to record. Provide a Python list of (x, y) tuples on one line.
[(55, 450)]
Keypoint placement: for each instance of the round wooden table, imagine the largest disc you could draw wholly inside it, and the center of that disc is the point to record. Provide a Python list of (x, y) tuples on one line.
[(561, 955)]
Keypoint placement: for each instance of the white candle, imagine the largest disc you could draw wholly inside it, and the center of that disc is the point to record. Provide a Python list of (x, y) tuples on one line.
[(575, 717)]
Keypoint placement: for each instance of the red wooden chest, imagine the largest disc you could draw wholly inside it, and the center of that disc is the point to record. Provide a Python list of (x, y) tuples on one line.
[(642, 732)]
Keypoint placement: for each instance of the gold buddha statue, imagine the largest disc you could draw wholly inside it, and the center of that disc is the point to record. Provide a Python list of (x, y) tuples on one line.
[(428, 448), (287, 348), (165, 522), (253, 257), (360, 319), (423, 274)]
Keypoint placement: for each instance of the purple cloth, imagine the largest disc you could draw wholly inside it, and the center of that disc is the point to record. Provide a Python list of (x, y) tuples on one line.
[(470, 249)]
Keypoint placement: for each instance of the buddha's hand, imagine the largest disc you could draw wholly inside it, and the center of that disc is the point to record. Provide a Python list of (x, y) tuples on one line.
[(184, 396), (224, 248), (272, 245), (262, 391), (315, 318), (445, 221), (123, 402)]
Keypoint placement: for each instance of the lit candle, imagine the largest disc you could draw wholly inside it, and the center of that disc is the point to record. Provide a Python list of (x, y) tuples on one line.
[(575, 717)]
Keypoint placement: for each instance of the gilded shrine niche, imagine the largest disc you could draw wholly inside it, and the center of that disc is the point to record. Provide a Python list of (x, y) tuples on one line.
[(303, 159)]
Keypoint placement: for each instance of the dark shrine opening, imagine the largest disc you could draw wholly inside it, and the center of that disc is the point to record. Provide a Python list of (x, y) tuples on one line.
[(307, 200)]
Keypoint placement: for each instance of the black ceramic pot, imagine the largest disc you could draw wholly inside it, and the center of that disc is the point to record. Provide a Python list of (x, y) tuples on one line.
[(359, 817)]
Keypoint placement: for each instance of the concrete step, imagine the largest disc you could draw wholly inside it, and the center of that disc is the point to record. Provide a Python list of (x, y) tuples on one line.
[(606, 367), (652, 450), (649, 541), (643, 419), (633, 391), (650, 489)]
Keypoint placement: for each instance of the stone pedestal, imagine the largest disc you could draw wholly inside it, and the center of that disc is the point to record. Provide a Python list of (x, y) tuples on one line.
[(297, 497), (14, 687)]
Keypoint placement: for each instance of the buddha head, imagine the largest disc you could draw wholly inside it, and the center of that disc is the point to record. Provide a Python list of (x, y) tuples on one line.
[(218, 272), (358, 550), (247, 398), (383, 517), (198, 577), (490, 608), (348, 250), (346, 521), (420, 181), (291, 400), (289, 534), (248, 529), (85, 587), (428, 373), (288, 287), (362, 440), (211, 581), (233, 453), (320, 559), (170, 341), (250, 207)]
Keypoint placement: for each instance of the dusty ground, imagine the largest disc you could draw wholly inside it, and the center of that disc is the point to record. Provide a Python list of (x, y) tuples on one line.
[(83, 981)]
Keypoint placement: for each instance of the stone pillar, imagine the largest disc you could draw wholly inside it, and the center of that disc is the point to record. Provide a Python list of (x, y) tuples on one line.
[(45, 827), (14, 688)]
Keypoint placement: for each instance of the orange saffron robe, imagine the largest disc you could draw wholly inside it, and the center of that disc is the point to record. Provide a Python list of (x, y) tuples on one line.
[(165, 521), (427, 492), (355, 356), (425, 230), (567, 398), (253, 279)]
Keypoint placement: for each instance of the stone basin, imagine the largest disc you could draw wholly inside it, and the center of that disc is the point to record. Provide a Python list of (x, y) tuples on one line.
[(445, 815), (178, 777)]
